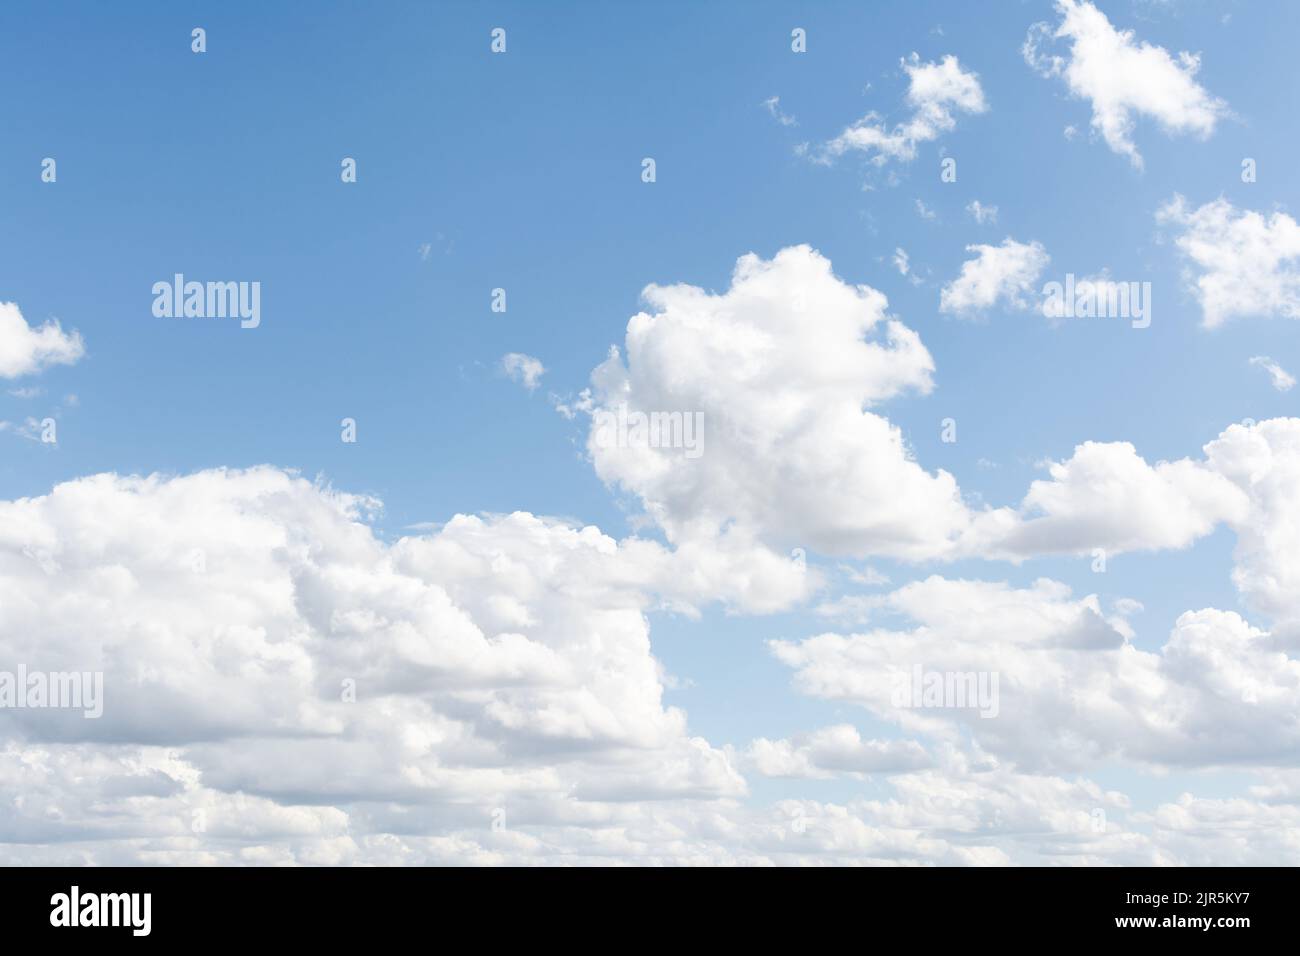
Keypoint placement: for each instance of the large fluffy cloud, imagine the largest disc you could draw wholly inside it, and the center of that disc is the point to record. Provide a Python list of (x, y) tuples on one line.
[(781, 370), (1069, 689), (1122, 77), (1233, 831), (282, 686), (77, 805), (1263, 460), (234, 615), (502, 674), (25, 350), (782, 374), (1240, 262), (106, 806), (1106, 496)]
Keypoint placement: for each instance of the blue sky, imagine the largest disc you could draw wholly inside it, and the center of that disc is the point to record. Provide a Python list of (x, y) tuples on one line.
[(523, 171)]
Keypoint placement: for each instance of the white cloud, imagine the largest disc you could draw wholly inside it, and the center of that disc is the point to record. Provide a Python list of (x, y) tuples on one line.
[(523, 369), (784, 369), (773, 106), (900, 260), (1241, 263), (935, 92), (122, 805), (498, 662), (925, 212), (868, 576), (504, 664), (1282, 380), (1107, 496), (1071, 691), (31, 429), (981, 213), (1227, 831), (25, 350), (1004, 274), (781, 367), (500, 665), (1263, 460), (1123, 78), (831, 751)]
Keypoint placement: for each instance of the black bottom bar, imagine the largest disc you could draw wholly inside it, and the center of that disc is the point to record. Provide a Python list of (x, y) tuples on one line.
[(1219, 908)]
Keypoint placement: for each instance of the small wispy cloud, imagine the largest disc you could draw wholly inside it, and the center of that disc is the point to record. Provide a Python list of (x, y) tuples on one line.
[(935, 93), (1283, 380), (773, 105), (524, 369), (29, 428), (981, 213), (440, 243)]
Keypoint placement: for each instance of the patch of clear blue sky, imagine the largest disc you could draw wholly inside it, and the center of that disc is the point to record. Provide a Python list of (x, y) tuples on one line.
[(523, 171)]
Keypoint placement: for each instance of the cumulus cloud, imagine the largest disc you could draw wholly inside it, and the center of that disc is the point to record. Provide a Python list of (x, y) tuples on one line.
[(1071, 690), (936, 91), (782, 368), (1107, 496), (1122, 78), (284, 686), (25, 350), (785, 370), (1005, 274), (121, 805), (1240, 263), (252, 624), (988, 815), (1226, 831), (1263, 460), (831, 751), (524, 369), (981, 213)]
